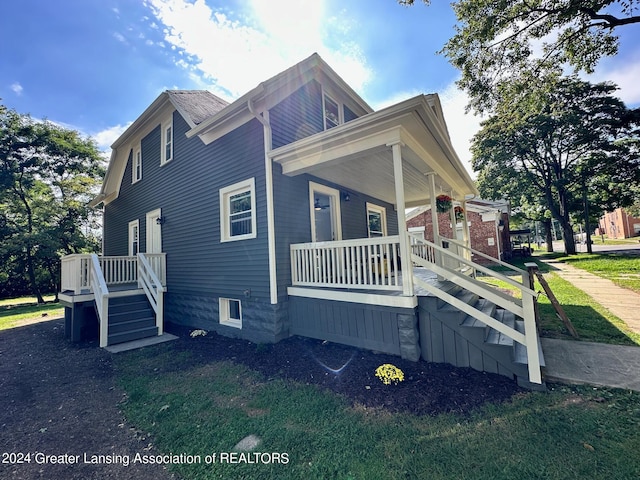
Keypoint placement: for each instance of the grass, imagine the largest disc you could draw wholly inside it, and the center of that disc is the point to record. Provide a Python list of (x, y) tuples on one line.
[(592, 321), (14, 311), (568, 432), (623, 270)]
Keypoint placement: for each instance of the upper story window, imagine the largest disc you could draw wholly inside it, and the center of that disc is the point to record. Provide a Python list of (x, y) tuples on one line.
[(238, 211), (331, 112), (167, 142), (136, 168)]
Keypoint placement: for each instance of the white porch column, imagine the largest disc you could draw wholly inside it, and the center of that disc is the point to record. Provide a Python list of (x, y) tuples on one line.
[(466, 234), (434, 209), (407, 264)]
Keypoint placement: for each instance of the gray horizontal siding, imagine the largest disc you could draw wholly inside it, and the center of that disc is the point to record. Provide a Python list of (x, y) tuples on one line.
[(187, 190), (293, 218), (298, 116)]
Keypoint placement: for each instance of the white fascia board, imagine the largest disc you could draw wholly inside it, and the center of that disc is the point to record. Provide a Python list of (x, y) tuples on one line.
[(355, 297)]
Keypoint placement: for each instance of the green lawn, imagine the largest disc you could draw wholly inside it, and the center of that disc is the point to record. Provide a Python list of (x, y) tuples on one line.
[(592, 321), (14, 311), (566, 433), (623, 270)]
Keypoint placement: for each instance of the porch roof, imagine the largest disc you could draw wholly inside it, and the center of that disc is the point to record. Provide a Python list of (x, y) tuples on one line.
[(357, 154)]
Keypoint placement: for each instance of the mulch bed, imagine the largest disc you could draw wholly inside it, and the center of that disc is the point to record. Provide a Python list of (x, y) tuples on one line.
[(61, 398)]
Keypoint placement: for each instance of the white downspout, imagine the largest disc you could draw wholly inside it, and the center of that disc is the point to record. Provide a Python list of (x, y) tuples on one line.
[(268, 167)]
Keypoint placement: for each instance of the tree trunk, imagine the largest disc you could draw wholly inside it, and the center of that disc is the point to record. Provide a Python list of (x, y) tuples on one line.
[(31, 272), (549, 234), (569, 239)]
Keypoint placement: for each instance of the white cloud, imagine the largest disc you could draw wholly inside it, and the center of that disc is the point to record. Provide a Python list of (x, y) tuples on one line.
[(625, 75), (104, 138), (17, 88), (235, 55), (462, 126), (118, 36)]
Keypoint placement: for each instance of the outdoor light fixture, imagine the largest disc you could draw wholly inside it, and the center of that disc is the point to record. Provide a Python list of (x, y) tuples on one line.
[(346, 196), (160, 220)]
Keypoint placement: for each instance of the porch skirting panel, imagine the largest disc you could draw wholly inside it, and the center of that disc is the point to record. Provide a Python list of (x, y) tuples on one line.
[(390, 330)]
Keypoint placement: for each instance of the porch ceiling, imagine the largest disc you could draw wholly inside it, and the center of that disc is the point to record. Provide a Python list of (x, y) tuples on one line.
[(358, 155)]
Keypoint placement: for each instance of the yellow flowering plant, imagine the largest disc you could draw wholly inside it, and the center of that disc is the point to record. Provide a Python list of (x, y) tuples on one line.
[(388, 373)]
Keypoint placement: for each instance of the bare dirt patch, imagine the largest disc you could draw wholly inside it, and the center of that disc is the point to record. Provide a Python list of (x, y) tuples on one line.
[(61, 398)]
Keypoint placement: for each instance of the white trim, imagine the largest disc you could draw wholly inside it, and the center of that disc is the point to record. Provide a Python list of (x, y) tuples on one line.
[(354, 297), (335, 209), (151, 218), (225, 193), (271, 222), (133, 224), (372, 207), (340, 121), (166, 124), (224, 313), (136, 161)]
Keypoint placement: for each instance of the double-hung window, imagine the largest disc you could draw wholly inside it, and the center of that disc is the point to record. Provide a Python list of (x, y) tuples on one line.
[(167, 142), (136, 168), (238, 211), (331, 112), (377, 220)]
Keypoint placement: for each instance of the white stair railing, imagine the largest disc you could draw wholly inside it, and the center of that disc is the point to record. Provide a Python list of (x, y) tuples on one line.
[(152, 286), (118, 270), (523, 307), (101, 296)]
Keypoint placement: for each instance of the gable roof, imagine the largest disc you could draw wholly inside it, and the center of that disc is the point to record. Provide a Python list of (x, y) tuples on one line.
[(195, 106), (211, 117), (270, 92)]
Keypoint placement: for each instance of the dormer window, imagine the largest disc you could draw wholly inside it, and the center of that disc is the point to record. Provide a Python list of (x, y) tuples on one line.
[(331, 112), (167, 141)]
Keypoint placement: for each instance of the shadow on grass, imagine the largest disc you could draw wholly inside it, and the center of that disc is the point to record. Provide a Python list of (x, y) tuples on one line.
[(590, 324)]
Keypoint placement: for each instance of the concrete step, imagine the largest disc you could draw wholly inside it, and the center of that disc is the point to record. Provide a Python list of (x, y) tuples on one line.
[(520, 351)]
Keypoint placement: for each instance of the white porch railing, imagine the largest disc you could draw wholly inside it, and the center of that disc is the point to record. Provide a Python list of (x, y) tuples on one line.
[(116, 270), (523, 307), (101, 297), (153, 287), (363, 263)]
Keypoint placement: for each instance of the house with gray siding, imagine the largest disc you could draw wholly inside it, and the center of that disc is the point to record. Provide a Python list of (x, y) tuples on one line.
[(283, 213)]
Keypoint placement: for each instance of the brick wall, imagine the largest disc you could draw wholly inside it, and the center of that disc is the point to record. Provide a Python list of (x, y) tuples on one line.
[(482, 232), (618, 224)]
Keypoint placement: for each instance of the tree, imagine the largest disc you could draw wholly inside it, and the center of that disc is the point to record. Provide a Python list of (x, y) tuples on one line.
[(498, 41), (554, 141), (47, 176)]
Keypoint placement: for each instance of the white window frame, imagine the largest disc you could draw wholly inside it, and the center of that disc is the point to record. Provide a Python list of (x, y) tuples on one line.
[(226, 193), (224, 311), (326, 96), (134, 226), (168, 124), (372, 207), (136, 165)]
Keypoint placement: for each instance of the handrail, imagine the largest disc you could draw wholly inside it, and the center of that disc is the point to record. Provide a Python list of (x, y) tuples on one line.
[(153, 288), (524, 307), (101, 296), (517, 270)]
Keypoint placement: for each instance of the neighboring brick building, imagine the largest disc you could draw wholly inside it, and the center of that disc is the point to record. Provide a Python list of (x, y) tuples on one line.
[(618, 224), (488, 226)]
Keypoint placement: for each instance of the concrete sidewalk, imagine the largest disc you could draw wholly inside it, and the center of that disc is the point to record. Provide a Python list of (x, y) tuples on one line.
[(596, 363), (623, 303)]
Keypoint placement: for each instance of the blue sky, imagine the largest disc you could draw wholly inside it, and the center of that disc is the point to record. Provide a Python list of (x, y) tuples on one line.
[(96, 65)]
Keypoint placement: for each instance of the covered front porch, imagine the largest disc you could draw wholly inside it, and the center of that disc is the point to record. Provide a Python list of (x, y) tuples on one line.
[(403, 156)]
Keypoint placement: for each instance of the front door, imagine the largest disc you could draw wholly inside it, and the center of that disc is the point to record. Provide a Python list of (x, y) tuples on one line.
[(325, 213), (154, 231)]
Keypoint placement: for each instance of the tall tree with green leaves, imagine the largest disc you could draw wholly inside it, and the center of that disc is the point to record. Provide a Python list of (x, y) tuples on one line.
[(497, 41), (559, 140), (48, 174)]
